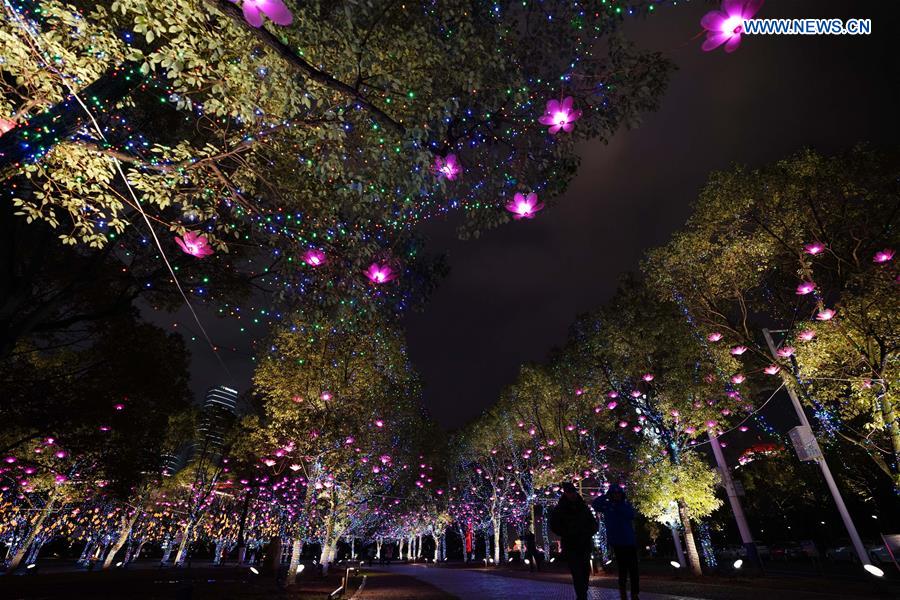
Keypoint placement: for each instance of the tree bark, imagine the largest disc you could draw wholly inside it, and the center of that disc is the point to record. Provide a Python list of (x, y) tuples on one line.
[(16, 559), (127, 525), (693, 558), (296, 550), (496, 522)]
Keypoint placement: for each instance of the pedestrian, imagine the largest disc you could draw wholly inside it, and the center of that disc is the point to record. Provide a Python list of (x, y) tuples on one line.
[(529, 550), (574, 523), (618, 515)]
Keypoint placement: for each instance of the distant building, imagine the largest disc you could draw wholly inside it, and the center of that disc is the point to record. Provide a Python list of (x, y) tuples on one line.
[(217, 415)]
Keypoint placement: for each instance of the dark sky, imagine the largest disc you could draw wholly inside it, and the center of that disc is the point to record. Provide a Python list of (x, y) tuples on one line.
[(512, 294)]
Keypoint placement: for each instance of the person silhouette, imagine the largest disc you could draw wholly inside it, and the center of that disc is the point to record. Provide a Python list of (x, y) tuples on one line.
[(574, 523)]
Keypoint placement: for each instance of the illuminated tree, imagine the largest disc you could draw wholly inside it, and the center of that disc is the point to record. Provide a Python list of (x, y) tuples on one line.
[(803, 245)]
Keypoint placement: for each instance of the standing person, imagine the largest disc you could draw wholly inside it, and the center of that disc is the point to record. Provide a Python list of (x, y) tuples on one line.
[(529, 549), (618, 515), (573, 522)]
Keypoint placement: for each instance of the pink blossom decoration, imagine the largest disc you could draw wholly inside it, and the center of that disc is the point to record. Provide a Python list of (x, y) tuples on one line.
[(715, 336), (805, 287), (785, 351), (6, 125), (380, 273), (314, 258), (814, 248), (447, 166), (648, 377), (825, 315), (559, 115), (883, 256), (524, 207), (274, 9), (612, 394), (612, 405), (738, 350), (739, 378), (807, 335), (772, 369), (743, 428), (194, 244), (725, 26)]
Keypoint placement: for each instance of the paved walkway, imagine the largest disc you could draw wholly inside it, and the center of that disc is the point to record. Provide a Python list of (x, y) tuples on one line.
[(463, 583)]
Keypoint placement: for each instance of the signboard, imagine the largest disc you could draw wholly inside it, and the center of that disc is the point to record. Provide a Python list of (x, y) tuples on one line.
[(805, 444)]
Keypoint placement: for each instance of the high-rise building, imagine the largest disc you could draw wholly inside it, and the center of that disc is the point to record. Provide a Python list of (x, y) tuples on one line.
[(219, 410)]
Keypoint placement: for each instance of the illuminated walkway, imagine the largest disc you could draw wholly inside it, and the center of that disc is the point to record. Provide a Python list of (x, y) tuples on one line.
[(464, 583)]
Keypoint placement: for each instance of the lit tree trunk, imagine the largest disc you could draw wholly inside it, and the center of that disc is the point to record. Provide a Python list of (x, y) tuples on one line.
[(495, 522), (419, 546), (181, 555), (16, 559), (693, 558), (168, 552), (378, 542), (296, 550), (125, 531), (891, 418), (437, 548), (327, 543), (353, 547), (679, 549)]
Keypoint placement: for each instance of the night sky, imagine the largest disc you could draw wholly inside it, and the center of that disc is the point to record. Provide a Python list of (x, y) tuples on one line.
[(512, 294)]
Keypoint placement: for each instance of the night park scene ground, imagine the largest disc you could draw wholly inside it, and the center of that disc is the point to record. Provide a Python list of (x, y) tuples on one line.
[(433, 299)]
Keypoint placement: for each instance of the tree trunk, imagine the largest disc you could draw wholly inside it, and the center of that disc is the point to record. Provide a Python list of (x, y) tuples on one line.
[(378, 542), (496, 522), (328, 541), (181, 555), (693, 558), (437, 548), (16, 559), (127, 525), (296, 550), (891, 418)]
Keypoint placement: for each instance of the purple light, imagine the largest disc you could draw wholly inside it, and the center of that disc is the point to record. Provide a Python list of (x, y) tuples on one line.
[(447, 166), (314, 258), (883, 256), (194, 244), (814, 248), (524, 207), (560, 115), (725, 26), (379, 274), (805, 288), (274, 9)]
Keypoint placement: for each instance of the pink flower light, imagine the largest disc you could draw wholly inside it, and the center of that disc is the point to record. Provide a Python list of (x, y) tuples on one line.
[(524, 207), (447, 166), (806, 335), (825, 315), (739, 378), (194, 244), (715, 336), (6, 125), (772, 369), (611, 405), (814, 248), (378, 274), (785, 351), (648, 377), (805, 287), (314, 258), (883, 256), (274, 9), (725, 26), (612, 394), (738, 350), (560, 115)]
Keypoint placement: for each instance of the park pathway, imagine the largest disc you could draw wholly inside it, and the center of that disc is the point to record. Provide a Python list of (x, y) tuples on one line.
[(467, 584)]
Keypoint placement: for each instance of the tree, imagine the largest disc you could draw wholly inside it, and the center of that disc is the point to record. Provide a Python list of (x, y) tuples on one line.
[(794, 246)]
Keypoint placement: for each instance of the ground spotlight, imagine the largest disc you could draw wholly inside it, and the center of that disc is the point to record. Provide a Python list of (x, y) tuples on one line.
[(675, 564), (874, 570), (254, 570), (738, 563), (32, 565)]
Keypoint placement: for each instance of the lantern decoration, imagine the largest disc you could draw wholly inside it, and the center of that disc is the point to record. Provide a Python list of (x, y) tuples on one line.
[(805, 287), (314, 258), (807, 335), (524, 207), (277, 12), (380, 273), (825, 315), (194, 244), (447, 166), (883, 256), (726, 25), (560, 115)]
